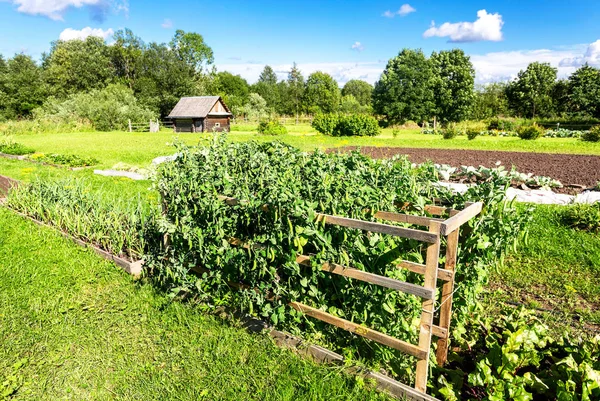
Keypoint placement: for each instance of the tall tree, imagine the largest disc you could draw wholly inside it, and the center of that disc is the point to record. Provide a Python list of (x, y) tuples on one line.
[(268, 76), (321, 94), (234, 89), (490, 101), (127, 52), (3, 96), (191, 48), (361, 90), (78, 66), (560, 97), (23, 86), (405, 90), (530, 95), (266, 87), (584, 88), (454, 84), (295, 90)]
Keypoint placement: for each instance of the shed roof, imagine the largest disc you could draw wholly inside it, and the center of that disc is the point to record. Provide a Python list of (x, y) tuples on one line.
[(196, 107)]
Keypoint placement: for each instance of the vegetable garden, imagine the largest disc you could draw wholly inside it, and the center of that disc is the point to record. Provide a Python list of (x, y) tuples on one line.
[(236, 222)]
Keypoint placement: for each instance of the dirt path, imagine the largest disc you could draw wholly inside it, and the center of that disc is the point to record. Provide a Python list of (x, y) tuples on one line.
[(568, 169)]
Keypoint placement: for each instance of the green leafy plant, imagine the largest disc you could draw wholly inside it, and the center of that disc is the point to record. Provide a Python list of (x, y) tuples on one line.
[(271, 127), (346, 125), (10, 147), (582, 217), (530, 132), (472, 134), (593, 135), (65, 160), (325, 123), (450, 133)]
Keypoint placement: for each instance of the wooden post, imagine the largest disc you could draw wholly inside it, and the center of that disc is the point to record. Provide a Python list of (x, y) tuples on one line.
[(130, 129), (441, 353), (426, 326)]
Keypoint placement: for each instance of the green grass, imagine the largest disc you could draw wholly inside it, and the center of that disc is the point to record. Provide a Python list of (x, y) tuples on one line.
[(558, 269), (73, 326)]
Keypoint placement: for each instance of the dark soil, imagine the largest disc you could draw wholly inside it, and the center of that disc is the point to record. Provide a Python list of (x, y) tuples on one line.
[(578, 170)]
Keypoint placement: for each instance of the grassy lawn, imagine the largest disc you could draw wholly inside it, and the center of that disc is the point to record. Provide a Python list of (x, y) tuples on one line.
[(73, 326), (558, 270)]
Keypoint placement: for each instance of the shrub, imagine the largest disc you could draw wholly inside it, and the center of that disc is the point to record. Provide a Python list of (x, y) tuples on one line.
[(271, 127), (593, 135), (450, 133), (356, 125), (10, 147), (530, 132), (472, 134), (499, 124), (582, 217), (325, 123)]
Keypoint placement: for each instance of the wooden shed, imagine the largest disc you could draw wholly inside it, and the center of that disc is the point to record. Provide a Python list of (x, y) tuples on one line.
[(200, 114)]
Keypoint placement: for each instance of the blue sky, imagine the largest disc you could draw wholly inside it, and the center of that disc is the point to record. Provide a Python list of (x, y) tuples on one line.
[(351, 39)]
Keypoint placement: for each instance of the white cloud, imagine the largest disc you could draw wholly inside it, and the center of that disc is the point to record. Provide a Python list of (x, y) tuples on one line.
[(73, 34), (486, 27), (358, 47), (591, 57), (167, 24), (404, 10), (55, 9)]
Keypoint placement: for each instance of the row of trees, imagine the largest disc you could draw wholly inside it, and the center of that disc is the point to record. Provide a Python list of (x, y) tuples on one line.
[(412, 87)]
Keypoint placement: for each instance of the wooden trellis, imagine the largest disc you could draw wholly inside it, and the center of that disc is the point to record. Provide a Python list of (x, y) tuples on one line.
[(432, 272)]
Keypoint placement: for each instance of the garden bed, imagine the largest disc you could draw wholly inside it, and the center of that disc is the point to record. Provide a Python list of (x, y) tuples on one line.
[(580, 170)]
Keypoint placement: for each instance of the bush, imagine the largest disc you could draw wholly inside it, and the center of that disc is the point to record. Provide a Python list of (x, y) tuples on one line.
[(593, 135), (325, 123), (271, 127), (10, 147), (450, 133), (356, 125), (582, 217), (530, 132), (472, 134), (498, 124)]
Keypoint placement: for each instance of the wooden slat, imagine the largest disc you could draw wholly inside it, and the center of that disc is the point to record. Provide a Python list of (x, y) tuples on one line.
[(405, 218), (376, 279), (439, 332), (430, 281), (437, 210), (371, 334), (443, 274), (410, 233), (454, 222)]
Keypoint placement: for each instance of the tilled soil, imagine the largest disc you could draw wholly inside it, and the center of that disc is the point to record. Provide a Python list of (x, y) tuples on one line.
[(582, 170)]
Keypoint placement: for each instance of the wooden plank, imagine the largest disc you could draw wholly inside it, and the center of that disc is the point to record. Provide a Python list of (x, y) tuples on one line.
[(405, 218), (376, 279), (410, 233), (454, 222), (399, 390), (439, 332), (441, 353), (430, 281), (371, 334), (437, 210), (443, 274)]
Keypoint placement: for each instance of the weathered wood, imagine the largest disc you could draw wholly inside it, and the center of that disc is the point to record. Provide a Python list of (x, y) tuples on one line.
[(397, 389), (374, 335), (437, 210), (454, 222), (405, 218), (439, 332), (410, 233), (430, 281), (443, 274), (383, 281), (441, 353)]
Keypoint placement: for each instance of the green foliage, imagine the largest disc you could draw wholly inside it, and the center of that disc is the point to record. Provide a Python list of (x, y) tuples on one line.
[(472, 134), (450, 132), (271, 127), (321, 93), (10, 147), (192, 50), (582, 217), (22, 87), (584, 91), (405, 90), (297, 185), (295, 89), (514, 357), (325, 123), (593, 135), (530, 132), (454, 85), (530, 95), (356, 125), (490, 101), (501, 124), (106, 109), (68, 205), (256, 108), (361, 91), (65, 160), (233, 89)]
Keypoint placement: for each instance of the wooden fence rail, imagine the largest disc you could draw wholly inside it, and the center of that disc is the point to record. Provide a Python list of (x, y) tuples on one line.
[(432, 272)]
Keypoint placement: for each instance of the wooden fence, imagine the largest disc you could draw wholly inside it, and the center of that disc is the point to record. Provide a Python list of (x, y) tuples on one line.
[(432, 272)]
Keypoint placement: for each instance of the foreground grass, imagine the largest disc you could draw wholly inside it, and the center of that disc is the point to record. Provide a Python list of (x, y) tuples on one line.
[(558, 270), (73, 326)]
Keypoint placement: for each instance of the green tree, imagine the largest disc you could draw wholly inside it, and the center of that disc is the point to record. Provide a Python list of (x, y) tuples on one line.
[(405, 90), (530, 95), (78, 66), (361, 90), (233, 89), (23, 86), (560, 97), (266, 87), (256, 108), (191, 49), (490, 101), (321, 94), (127, 56), (454, 85), (295, 90), (584, 91)]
